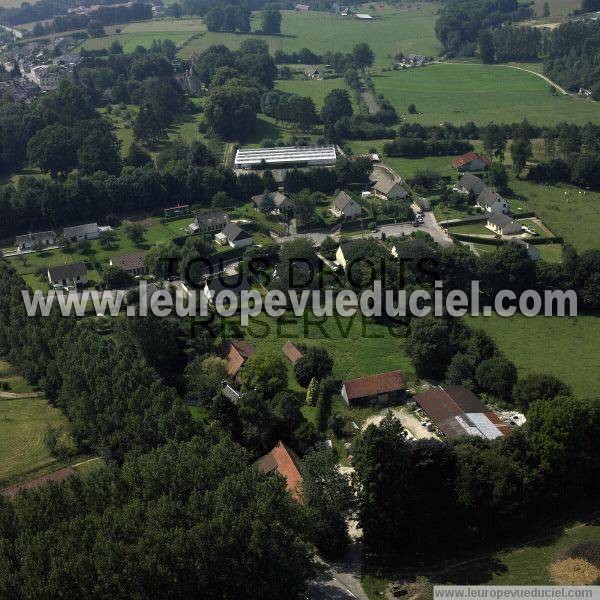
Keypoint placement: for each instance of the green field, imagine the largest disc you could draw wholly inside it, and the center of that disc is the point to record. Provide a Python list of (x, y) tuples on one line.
[(144, 32), (562, 346), (459, 93), (394, 30), (23, 422), (317, 89)]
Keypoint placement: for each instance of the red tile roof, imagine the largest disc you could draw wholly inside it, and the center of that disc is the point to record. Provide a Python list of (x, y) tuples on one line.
[(235, 352), (465, 159), (392, 381), (286, 462), (292, 352)]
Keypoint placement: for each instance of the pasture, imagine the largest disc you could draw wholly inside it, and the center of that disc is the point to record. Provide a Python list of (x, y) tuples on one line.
[(23, 422), (317, 89), (459, 93), (393, 30)]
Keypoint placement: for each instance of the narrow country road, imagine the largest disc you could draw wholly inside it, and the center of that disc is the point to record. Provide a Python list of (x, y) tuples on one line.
[(370, 102)]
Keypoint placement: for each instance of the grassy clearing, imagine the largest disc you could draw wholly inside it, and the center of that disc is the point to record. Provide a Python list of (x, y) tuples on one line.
[(563, 346), (317, 89), (394, 30), (144, 32), (481, 93)]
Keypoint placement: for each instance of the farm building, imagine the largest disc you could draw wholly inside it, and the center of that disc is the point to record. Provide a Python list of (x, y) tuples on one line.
[(471, 161), (235, 352), (457, 411), (132, 263), (89, 231), (491, 201), (345, 206), (284, 461), (34, 240), (208, 222), (74, 274), (292, 352), (389, 190), (235, 236), (382, 389), (177, 211), (468, 184), (503, 224), (299, 155)]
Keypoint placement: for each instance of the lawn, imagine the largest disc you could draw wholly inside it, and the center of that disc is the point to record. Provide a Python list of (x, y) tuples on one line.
[(574, 215), (472, 229), (393, 30), (459, 93), (317, 89), (23, 422), (144, 32), (563, 346)]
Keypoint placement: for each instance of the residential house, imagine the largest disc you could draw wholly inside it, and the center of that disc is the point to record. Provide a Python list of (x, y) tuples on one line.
[(132, 263), (29, 241), (471, 161), (46, 77), (343, 252), (281, 203), (235, 352), (491, 201), (503, 224), (345, 206), (456, 411), (471, 184), (208, 222), (389, 190), (292, 352), (68, 275), (19, 90), (283, 460), (220, 283), (235, 236), (382, 389), (181, 210), (313, 73), (230, 392), (416, 60), (89, 231)]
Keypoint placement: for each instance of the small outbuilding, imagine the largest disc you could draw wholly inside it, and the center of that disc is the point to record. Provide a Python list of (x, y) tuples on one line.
[(382, 389)]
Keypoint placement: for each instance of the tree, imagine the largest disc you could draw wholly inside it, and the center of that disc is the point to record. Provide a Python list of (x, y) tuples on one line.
[(328, 500), (315, 362), (108, 239), (268, 181), (546, 10), (99, 153), (412, 109), (336, 104), (114, 277), (486, 47), (162, 259), (53, 149), (429, 345), (538, 386), (231, 109), (271, 19), (497, 377), (264, 372), (137, 156), (521, 152), (147, 126), (461, 370), (95, 29), (204, 377), (135, 232), (312, 392), (362, 56), (497, 176), (494, 141)]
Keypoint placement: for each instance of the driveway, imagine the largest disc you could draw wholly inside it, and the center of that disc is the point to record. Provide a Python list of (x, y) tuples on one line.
[(370, 102), (339, 580), (409, 421)]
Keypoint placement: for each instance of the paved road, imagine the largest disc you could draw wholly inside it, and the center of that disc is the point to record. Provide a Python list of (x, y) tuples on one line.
[(339, 580), (370, 102)]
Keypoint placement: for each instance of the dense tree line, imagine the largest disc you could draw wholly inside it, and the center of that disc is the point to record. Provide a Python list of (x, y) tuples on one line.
[(461, 21), (228, 17), (416, 147)]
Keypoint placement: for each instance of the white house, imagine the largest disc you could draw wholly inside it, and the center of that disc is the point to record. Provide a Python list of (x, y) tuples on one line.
[(68, 275), (389, 190), (345, 206), (503, 224), (491, 202), (235, 236), (29, 241), (89, 231)]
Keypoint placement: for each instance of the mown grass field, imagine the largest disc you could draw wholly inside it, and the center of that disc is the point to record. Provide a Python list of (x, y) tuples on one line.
[(23, 422), (459, 93), (526, 564), (144, 32), (563, 346), (317, 89), (393, 30)]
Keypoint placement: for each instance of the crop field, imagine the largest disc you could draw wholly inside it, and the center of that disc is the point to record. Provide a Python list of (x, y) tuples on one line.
[(393, 30), (144, 32), (459, 93), (23, 421)]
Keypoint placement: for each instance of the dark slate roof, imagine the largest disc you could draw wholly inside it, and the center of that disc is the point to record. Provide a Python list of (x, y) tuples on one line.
[(472, 183), (234, 233), (499, 219), (342, 200), (488, 197), (211, 219), (235, 283), (77, 230), (41, 236), (71, 271)]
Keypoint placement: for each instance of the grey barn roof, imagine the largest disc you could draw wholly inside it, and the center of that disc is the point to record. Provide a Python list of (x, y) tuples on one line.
[(71, 271), (211, 219), (77, 230), (234, 233), (472, 183)]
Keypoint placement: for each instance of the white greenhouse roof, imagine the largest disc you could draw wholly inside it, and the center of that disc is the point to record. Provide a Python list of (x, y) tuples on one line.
[(288, 154)]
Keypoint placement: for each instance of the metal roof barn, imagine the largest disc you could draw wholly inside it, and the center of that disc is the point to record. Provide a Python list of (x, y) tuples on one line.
[(310, 155)]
